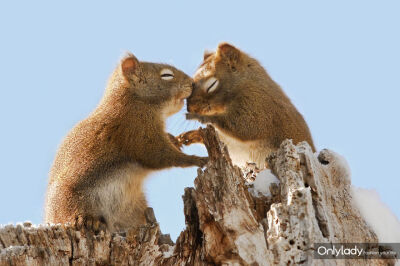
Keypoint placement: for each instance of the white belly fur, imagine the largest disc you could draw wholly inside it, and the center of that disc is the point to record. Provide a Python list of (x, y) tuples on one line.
[(120, 199), (245, 151)]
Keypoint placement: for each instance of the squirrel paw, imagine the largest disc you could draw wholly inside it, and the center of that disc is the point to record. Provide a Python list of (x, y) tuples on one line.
[(190, 137), (175, 140), (90, 223), (202, 161)]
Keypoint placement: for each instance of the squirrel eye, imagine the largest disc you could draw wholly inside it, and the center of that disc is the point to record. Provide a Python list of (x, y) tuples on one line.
[(167, 74), (211, 84)]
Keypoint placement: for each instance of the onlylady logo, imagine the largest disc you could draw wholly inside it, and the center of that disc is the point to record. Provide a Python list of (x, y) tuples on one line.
[(356, 250), (341, 251)]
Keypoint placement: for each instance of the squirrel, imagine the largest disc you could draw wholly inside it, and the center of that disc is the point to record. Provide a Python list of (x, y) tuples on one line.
[(250, 111), (97, 176)]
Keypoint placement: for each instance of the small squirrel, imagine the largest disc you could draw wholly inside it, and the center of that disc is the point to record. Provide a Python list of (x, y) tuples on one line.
[(97, 176), (250, 111)]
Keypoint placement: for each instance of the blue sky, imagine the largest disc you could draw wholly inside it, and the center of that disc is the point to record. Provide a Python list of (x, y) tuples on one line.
[(339, 62)]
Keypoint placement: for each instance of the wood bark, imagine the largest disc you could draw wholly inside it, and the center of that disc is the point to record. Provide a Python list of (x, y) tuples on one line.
[(225, 224)]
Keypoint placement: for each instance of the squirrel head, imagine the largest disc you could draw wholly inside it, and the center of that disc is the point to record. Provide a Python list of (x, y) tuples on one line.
[(152, 83), (220, 79)]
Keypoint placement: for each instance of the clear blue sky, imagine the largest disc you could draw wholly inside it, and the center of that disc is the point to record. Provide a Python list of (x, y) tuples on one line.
[(339, 62)]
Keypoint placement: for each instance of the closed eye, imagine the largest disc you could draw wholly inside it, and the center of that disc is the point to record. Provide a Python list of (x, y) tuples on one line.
[(211, 85), (167, 74)]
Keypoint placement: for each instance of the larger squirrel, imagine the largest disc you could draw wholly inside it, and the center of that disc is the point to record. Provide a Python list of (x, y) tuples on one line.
[(250, 111), (97, 176)]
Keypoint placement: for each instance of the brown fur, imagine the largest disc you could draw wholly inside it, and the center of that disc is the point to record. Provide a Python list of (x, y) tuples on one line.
[(100, 167), (248, 107)]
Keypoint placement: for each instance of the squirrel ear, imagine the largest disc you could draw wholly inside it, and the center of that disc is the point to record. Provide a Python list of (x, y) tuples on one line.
[(207, 54), (129, 65), (228, 51)]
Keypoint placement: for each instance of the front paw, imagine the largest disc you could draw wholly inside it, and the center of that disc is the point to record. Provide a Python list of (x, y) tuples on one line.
[(176, 141), (201, 161), (190, 137)]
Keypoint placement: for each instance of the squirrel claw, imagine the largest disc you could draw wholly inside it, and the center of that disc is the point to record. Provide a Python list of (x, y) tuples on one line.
[(204, 161), (190, 137), (176, 141), (90, 223)]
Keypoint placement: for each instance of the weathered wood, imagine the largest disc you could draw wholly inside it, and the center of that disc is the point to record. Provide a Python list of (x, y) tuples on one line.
[(225, 224)]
